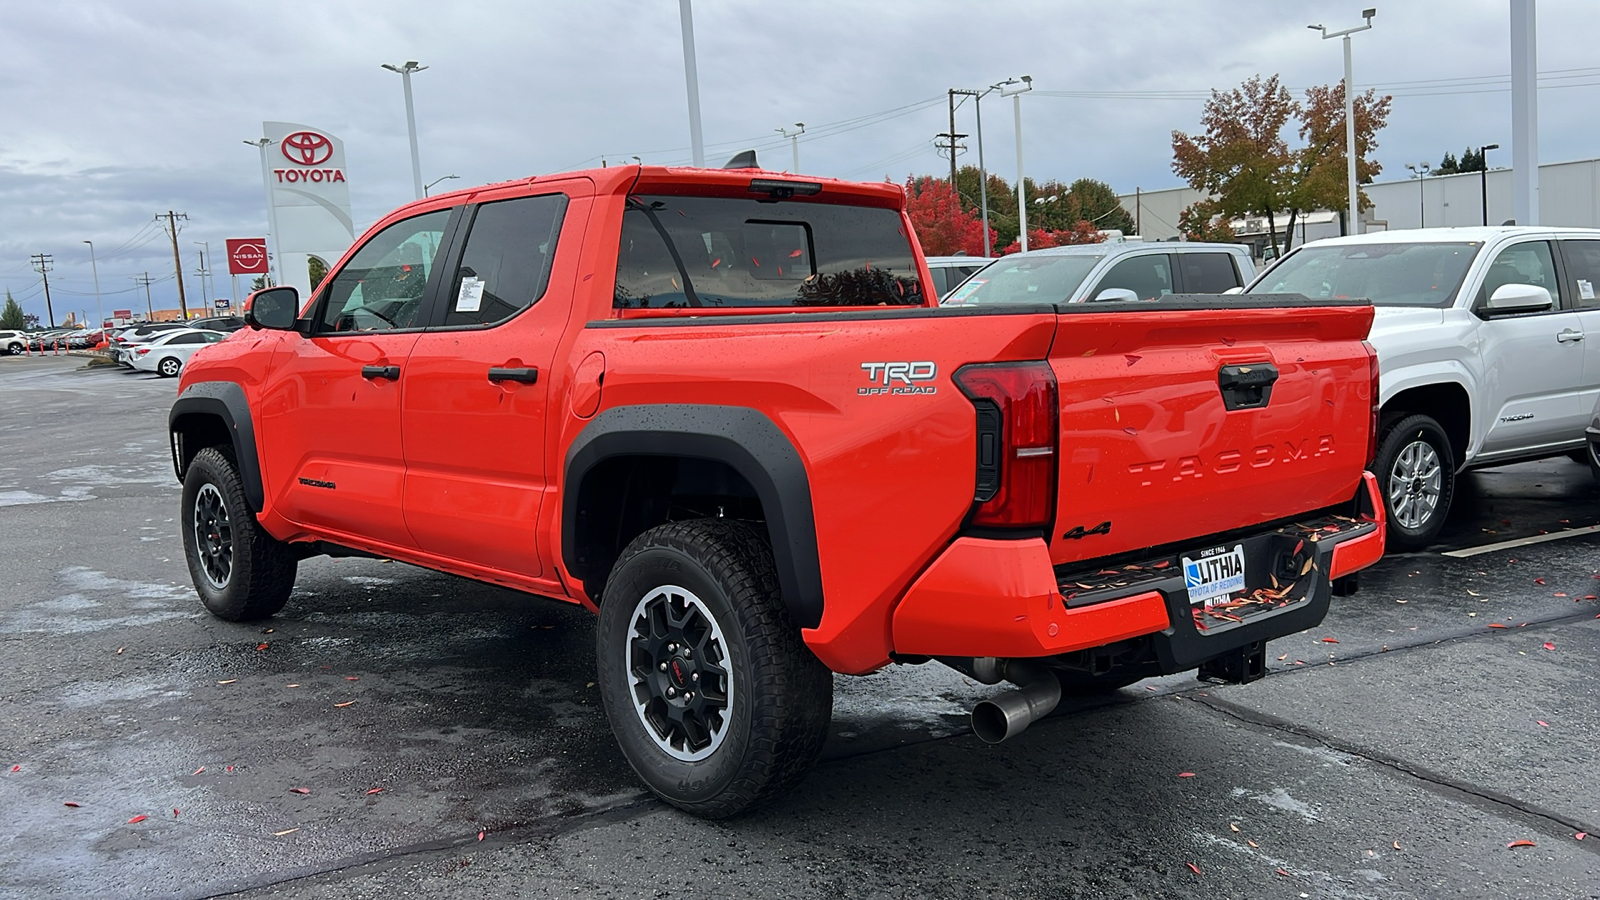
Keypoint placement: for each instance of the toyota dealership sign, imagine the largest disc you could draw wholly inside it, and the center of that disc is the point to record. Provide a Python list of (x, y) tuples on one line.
[(304, 171)]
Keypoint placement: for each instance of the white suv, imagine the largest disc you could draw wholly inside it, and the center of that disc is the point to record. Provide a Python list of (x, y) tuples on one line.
[(13, 342), (1482, 355)]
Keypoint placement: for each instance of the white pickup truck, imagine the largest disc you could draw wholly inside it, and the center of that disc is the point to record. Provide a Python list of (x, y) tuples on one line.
[(1482, 356)]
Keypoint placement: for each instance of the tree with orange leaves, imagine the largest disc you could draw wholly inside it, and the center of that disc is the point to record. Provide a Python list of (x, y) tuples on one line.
[(943, 227)]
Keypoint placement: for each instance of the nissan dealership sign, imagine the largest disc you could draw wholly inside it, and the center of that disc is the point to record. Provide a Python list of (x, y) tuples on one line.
[(310, 199)]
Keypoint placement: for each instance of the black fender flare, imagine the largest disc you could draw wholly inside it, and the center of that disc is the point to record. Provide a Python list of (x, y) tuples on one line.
[(744, 439), (224, 400)]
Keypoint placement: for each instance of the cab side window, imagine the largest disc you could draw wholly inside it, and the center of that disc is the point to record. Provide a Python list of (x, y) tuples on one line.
[(1583, 264), (1208, 273), (382, 287), (1149, 276), (506, 263), (1528, 263)]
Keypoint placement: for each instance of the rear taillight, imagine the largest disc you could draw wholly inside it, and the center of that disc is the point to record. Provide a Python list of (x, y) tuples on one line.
[(143, 350), (1018, 429), (1372, 430)]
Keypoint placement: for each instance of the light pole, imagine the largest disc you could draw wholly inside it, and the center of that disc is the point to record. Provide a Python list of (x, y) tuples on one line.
[(691, 80), (1483, 177), (1353, 215), (411, 120), (794, 142), (95, 268), (205, 269), (1014, 89), (983, 175), (429, 185), (1422, 205), (275, 275)]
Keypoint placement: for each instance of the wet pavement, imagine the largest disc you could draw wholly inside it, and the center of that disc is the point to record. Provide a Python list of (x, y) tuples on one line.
[(400, 732)]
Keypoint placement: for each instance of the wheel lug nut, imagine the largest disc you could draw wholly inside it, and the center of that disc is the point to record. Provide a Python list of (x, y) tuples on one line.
[(671, 692), (689, 696), (694, 676), (663, 667), (687, 653)]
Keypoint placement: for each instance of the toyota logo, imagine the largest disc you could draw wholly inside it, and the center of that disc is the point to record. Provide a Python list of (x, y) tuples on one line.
[(307, 148)]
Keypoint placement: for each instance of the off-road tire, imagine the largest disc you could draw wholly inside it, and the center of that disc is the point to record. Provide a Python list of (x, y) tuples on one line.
[(780, 696), (261, 569), (1409, 529)]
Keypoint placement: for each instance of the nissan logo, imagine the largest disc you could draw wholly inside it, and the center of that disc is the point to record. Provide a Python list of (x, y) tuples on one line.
[(307, 148)]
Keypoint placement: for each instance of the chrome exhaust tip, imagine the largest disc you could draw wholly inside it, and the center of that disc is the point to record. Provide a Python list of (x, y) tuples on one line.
[(1007, 715)]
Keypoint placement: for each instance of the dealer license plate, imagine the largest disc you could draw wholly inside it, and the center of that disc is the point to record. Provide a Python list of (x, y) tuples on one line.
[(1214, 575)]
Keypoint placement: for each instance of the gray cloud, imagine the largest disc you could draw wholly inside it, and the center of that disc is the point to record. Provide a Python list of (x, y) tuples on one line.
[(115, 111)]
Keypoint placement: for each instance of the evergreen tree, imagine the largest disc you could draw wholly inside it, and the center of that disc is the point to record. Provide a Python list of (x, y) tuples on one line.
[(11, 317)]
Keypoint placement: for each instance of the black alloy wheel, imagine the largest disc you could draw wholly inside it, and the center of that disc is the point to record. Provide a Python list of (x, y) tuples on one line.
[(239, 570)]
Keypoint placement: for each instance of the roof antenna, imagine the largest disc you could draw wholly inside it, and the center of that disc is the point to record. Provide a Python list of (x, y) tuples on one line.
[(746, 159)]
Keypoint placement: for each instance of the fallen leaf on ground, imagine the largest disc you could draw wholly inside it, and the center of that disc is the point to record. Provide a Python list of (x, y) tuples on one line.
[(1521, 843), (1542, 723), (16, 768), (1559, 594), (1538, 581), (352, 678), (71, 803), (198, 771), (1283, 657), (343, 705), (1281, 872), (229, 681), (1234, 825), (230, 768), (1581, 835), (480, 835), (120, 649), (1193, 868), (1395, 845), (284, 832), (1185, 774), (261, 646), (174, 812), (299, 790), (292, 685), (1549, 646), (1498, 625), (374, 790), (1473, 592), (1252, 843), (137, 819), (1330, 640)]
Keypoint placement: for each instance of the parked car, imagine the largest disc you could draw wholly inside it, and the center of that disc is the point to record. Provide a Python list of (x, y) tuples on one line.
[(761, 451), (1481, 338), (13, 342), (218, 323), (84, 339), (1082, 273), (950, 271), (53, 339), (124, 343), (167, 352)]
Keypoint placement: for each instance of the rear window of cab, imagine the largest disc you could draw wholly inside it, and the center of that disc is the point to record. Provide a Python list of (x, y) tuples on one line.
[(682, 252)]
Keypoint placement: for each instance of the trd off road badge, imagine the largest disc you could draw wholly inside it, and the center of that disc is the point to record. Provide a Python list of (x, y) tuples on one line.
[(899, 378)]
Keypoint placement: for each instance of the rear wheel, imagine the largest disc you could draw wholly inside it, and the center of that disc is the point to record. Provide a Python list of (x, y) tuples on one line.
[(240, 571), (169, 367), (1416, 473), (1592, 456), (712, 694)]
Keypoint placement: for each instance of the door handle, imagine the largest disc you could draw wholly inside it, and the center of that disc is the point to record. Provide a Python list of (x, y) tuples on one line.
[(525, 376), (1568, 336), (1247, 386), (390, 372)]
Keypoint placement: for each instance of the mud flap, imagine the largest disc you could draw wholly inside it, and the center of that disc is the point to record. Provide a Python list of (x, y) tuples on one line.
[(1239, 666)]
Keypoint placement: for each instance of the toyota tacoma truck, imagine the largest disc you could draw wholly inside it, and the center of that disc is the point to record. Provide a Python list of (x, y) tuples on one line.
[(722, 410), (1481, 338)]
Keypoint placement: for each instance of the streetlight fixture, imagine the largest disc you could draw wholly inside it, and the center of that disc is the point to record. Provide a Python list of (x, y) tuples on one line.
[(1014, 89), (429, 185), (95, 268), (1422, 208), (983, 174), (273, 274), (1483, 177), (794, 142), (1353, 214), (411, 120)]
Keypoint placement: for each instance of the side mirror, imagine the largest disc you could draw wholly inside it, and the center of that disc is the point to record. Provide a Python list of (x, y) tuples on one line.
[(1110, 295), (274, 307), (1518, 298), (1234, 290)]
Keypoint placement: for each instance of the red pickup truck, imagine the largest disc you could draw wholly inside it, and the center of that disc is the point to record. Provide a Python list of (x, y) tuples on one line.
[(722, 409)]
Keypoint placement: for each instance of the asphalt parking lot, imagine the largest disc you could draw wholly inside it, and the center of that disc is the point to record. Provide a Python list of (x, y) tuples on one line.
[(397, 732)]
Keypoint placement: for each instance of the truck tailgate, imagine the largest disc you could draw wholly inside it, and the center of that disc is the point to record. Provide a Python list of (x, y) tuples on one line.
[(1195, 417)]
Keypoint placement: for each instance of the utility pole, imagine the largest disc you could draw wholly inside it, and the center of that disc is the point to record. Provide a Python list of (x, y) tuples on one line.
[(794, 142), (952, 94), (42, 263), (177, 261), (99, 308), (150, 308), (944, 142), (691, 78)]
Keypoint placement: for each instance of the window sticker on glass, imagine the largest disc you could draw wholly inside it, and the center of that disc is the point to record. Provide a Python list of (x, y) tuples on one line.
[(470, 297), (1585, 289), (966, 290)]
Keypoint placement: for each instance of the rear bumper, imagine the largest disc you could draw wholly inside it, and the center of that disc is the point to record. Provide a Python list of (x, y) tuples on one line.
[(1002, 598)]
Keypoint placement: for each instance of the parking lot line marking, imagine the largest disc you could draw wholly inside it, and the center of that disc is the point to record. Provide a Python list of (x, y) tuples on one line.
[(1520, 542)]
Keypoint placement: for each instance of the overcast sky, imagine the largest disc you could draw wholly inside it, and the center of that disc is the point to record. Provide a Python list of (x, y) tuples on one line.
[(115, 111)]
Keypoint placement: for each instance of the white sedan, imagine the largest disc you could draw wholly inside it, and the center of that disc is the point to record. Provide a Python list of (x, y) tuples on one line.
[(166, 354)]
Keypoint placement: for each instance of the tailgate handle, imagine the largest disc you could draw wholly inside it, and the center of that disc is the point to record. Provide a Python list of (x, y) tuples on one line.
[(389, 372), (1247, 386), (525, 376)]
